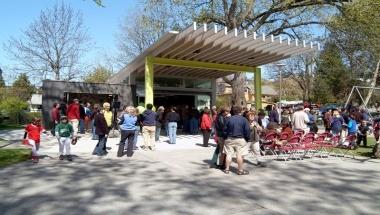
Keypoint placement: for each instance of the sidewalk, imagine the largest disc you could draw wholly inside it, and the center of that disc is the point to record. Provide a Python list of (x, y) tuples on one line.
[(176, 179)]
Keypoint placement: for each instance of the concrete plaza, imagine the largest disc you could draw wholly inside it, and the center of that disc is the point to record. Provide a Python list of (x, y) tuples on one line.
[(176, 179)]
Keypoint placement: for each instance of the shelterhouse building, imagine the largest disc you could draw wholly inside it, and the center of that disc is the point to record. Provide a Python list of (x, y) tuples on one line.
[(182, 67)]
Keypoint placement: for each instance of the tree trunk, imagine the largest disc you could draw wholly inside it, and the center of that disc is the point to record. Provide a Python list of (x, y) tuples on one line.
[(238, 89), (373, 84)]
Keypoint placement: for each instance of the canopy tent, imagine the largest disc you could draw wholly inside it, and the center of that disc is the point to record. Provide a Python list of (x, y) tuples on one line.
[(210, 52)]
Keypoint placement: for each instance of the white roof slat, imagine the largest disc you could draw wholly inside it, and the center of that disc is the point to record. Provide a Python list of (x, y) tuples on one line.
[(187, 42)]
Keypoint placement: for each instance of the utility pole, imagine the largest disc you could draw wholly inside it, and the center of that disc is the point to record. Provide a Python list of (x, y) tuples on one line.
[(280, 66)]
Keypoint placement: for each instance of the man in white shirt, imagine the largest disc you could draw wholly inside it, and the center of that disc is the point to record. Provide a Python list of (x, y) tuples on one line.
[(300, 120)]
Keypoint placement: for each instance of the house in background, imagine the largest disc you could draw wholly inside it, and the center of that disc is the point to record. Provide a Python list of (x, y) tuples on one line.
[(35, 102), (224, 92)]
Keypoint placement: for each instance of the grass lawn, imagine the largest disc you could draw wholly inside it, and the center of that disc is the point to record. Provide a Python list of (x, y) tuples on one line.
[(364, 151), (12, 156), (4, 126)]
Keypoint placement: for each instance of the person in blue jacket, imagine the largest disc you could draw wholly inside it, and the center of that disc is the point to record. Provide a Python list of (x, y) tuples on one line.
[(127, 129)]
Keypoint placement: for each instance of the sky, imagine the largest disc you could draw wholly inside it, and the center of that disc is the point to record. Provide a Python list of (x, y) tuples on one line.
[(102, 24)]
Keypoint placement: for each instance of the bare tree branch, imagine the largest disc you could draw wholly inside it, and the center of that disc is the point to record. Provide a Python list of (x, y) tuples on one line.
[(52, 44)]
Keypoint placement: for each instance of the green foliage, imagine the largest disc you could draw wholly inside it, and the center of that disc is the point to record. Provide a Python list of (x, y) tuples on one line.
[(333, 81), (12, 107), (356, 31), (223, 101), (359, 26), (23, 84), (99, 75), (13, 156)]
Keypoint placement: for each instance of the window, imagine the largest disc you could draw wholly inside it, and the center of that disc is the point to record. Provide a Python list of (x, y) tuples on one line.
[(199, 84)]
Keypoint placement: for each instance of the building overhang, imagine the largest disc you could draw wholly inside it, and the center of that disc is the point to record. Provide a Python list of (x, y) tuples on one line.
[(209, 44)]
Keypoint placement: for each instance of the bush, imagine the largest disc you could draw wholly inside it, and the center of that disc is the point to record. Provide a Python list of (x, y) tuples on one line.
[(27, 117), (12, 107)]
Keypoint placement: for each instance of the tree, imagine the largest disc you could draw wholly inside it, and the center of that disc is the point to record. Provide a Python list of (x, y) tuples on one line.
[(300, 70), (52, 45), (333, 81), (2, 82), (271, 17), (141, 29), (356, 31), (22, 87), (13, 106), (99, 75)]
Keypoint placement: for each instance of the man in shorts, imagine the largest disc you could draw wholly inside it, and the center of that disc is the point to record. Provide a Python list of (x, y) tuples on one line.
[(236, 133)]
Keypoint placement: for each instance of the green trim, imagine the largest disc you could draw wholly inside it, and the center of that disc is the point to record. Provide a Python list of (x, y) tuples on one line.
[(149, 76), (258, 88), (202, 65), (149, 80)]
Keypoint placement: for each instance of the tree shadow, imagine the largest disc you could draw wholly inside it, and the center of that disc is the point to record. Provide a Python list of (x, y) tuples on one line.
[(172, 183)]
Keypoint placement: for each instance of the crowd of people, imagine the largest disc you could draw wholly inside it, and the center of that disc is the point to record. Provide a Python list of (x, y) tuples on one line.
[(236, 130)]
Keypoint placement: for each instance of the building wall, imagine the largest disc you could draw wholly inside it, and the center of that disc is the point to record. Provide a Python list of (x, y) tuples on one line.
[(54, 91)]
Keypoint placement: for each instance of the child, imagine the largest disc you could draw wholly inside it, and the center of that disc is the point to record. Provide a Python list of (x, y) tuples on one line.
[(362, 133), (64, 132), (32, 137)]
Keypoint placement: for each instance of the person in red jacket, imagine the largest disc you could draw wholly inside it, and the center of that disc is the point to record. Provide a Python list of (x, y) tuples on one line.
[(206, 124), (73, 115), (32, 137)]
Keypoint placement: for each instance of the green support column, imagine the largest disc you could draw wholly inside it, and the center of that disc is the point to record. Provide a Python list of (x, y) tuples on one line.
[(149, 80), (258, 88)]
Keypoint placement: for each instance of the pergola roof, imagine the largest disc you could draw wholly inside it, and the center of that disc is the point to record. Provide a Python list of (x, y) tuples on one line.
[(212, 44)]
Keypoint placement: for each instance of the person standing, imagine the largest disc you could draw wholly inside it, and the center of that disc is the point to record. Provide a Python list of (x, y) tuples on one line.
[(64, 132), (300, 120), (352, 127), (149, 128), (101, 131), (336, 123), (127, 129), (32, 137), (273, 115), (237, 134), (219, 127), (159, 121), (206, 124), (186, 119), (362, 133), (254, 139), (327, 118), (87, 120), (108, 115), (55, 116), (93, 114), (82, 114), (138, 128), (73, 115), (172, 118)]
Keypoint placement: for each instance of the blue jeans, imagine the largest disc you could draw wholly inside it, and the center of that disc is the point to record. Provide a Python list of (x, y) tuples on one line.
[(158, 132), (135, 137), (94, 136), (81, 126), (172, 132), (193, 126), (100, 147), (167, 129)]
